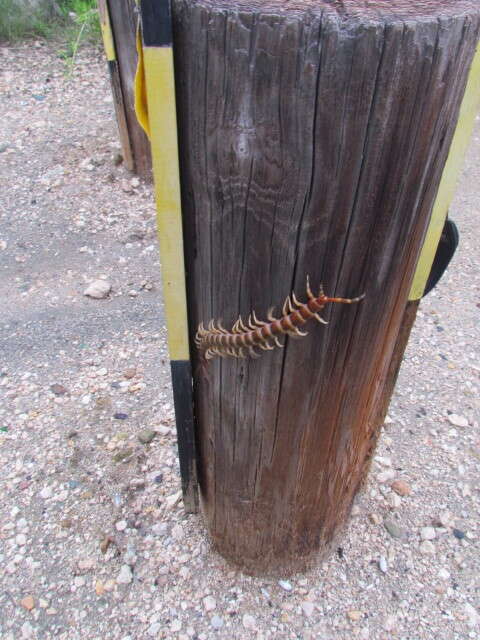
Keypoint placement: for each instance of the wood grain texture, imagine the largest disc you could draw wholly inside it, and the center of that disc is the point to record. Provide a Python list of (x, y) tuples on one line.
[(124, 19), (312, 140)]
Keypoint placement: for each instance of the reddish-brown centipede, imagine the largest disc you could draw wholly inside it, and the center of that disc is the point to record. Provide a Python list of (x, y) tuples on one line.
[(243, 339)]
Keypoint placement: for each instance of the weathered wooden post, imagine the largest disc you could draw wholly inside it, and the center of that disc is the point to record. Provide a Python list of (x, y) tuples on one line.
[(118, 20), (312, 137)]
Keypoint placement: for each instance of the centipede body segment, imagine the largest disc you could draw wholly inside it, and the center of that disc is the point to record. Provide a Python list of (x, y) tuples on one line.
[(246, 337)]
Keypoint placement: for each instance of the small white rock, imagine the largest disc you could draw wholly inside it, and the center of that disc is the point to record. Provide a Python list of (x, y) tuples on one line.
[(216, 622), (427, 548), (443, 574), (121, 525), (394, 500), (177, 532), (285, 584), (21, 539), (446, 519), (427, 533), (382, 563), (248, 621), (46, 493), (389, 624), (154, 629), (308, 608), (98, 289), (472, 614), (386, 476), (384, 461), (209, 603), (176, 625), (173, 499), (125, 575), (458, 421)]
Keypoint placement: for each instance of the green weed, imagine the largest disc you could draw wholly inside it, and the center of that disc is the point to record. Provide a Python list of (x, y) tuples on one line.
[(72, 22)]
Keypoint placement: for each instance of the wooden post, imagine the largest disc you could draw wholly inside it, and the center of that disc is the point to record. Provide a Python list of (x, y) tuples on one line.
[(118, 19), (313, 135)]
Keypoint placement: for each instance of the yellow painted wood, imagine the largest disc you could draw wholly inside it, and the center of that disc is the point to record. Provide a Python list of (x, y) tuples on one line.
[(141, 106), (160, 89), (451, 171), (107, 33)]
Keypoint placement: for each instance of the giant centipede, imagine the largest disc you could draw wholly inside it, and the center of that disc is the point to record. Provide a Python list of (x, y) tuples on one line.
[(244, 338)]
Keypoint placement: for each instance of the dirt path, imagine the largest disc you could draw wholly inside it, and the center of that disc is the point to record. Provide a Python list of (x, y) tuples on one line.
[(93, 542)]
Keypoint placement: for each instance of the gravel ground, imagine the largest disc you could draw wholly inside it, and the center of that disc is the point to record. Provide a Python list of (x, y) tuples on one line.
[(94, 543)]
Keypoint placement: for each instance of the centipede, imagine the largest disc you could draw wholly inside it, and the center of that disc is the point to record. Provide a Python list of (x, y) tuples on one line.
[(246, 338)]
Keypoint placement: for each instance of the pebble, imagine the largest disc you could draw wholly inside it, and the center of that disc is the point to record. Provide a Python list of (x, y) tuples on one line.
[(173, 499), (401, 488), (427, 548), (98, 289), (130, 373), (427, 533), (58, 389), (216, 622), (458, 534), (121, 525), (385, 476), (446, 519), (248, 621), (178, 532), (46, 493), (395, 530), (176, 625), (27, 603), (394, 500), (27, 630), (146, 436), (390, 622), (122, 455), (154, 629), (286, 585), (308, 608), (209, 603), (21, 539), (120, 416), (382, 563), (125, 575), (354, 615), (443, 574), (164, 431), (458, 421), (473, 617)]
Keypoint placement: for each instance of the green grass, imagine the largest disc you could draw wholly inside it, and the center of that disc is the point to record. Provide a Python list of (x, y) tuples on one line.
[(72, 22)]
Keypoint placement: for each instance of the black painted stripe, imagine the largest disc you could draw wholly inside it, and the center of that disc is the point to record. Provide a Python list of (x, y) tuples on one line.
[(156, 23), (184, 416)]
